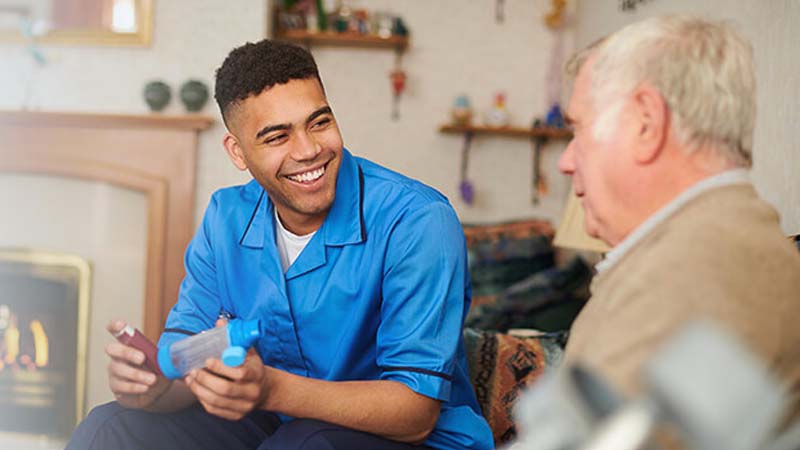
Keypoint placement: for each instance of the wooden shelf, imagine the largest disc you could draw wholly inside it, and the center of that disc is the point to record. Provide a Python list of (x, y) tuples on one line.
[(343, 39), (544, 132), (99, 120)]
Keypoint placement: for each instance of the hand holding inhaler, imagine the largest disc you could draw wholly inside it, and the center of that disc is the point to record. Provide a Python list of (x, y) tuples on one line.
[(132, 337), (133, 374), (175, 360)]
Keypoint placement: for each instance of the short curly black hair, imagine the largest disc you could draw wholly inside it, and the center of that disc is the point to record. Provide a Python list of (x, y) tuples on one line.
[(253, 67)]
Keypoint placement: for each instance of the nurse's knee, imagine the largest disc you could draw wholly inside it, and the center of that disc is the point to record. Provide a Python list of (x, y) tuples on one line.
[(86, 432), (301, 434), (102, 414)]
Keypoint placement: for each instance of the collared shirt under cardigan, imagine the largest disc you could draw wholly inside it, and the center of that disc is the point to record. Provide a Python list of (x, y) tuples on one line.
[(379, 293)]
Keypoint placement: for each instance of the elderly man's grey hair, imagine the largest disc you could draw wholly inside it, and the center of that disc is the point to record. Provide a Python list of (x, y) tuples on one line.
[(703, 69)]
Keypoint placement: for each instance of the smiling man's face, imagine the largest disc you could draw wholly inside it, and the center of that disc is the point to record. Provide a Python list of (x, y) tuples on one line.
[(288, 139)]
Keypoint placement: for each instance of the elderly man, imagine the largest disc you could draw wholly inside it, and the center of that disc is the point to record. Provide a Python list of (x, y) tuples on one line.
[(663, 112)]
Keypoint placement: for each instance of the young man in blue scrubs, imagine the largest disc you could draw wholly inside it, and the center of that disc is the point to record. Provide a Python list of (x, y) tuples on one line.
[(359, 274)]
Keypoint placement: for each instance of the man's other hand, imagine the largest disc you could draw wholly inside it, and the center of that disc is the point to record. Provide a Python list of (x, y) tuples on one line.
[(230, 392)]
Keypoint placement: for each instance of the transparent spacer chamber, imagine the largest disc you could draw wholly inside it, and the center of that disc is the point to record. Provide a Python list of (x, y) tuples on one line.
[(191, 353), (228, 343)]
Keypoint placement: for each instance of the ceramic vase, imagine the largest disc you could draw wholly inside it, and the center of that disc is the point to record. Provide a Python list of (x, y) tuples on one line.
[(157, 95), (194, 95)]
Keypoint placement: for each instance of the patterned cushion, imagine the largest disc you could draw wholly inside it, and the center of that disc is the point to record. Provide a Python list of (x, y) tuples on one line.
[(500, 255), (500, 366), (548, 301)]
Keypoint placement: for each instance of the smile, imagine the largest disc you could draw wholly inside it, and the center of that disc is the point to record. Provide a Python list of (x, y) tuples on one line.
[(307, 177)]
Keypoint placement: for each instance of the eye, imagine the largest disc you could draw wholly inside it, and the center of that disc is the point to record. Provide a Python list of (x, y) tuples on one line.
[(276, 138), (322, 123)]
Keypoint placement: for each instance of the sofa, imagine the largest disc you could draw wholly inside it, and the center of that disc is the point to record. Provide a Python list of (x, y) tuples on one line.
[(525, 296), (524, 301)]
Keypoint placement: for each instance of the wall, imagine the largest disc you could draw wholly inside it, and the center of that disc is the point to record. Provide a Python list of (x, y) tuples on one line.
[(456, 48), (771, 27)]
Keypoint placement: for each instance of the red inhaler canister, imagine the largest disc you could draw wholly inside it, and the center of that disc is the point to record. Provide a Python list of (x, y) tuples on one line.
[(132, 337)]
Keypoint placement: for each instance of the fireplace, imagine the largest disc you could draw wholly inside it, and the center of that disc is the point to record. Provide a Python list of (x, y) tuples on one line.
[(116, 190), (43, 339)]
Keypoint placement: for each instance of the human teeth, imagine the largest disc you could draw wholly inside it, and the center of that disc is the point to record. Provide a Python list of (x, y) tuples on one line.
[(308, 176)]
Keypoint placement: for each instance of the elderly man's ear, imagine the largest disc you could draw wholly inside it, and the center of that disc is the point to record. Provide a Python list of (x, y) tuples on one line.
[(652, 116)]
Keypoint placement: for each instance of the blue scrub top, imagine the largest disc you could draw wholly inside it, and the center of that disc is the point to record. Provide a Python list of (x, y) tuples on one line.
[(379, 293)]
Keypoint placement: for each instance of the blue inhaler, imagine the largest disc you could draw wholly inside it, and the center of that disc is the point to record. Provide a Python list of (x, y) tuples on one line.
[(229, 343)]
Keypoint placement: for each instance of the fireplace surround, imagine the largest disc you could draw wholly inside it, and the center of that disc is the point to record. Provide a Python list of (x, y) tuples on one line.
[(152, 158)]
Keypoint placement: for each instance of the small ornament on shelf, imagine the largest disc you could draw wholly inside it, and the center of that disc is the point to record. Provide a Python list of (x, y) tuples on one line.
[(383, 24), (554, 118), (462, 111), (498, 116)]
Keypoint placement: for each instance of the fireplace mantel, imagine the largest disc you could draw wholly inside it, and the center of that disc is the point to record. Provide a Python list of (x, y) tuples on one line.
[(153, 154), (96, 120)]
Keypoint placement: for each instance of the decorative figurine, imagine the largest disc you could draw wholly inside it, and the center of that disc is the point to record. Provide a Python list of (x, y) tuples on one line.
[(462, 111), (398, 78), (194, 95), (554, 117), (157, 94), (384, 22), (399, 27), (498, 116)]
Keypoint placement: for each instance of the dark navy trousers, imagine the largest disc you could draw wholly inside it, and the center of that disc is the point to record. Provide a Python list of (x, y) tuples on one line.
[(112, 426)]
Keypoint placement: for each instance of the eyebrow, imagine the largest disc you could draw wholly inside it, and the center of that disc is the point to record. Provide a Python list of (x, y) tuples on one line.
[(285, 126)]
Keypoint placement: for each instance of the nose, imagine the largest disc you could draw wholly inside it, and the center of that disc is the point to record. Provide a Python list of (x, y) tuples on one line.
[(566, 163), (306, 147)]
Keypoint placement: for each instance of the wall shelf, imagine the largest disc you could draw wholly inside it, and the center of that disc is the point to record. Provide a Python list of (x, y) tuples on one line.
[(539, 136), (544, 132), (308, 39)]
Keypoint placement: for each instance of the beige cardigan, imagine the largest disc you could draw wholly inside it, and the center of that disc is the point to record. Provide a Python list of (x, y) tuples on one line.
[(721, 256)]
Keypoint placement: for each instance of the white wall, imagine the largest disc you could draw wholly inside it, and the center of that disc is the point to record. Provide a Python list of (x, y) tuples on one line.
[(771, 25), (456, 48)]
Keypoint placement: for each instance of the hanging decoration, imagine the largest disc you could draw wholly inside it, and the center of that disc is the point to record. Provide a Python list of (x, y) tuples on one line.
[(555, 21), (398, 78), (499, 11), (629, 5), (465, 187), (539, 184)]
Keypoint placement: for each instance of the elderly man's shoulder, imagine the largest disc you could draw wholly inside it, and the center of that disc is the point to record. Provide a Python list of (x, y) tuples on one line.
[(723, 245), (733, 227)]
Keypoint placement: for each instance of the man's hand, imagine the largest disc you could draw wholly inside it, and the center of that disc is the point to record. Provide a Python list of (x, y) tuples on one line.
[(133, 384), (230, 392)]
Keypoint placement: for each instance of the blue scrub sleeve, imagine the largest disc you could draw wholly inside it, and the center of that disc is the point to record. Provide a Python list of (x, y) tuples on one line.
[(198, 302), (425, 298)]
